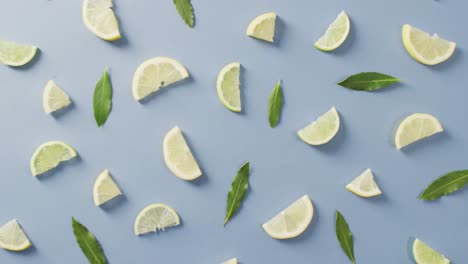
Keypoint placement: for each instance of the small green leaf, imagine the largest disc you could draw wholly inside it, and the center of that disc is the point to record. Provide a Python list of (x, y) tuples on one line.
[(368, 81), (102, 100), (275, 103), (237, 192), (88, 243), (344, 236), (185, 9), (449, 183)]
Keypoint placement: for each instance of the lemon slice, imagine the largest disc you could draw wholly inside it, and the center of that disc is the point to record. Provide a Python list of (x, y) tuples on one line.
[(100, 19), (424, 254), (12, 237), (416, 127), (364, 185), (228, 87), (14, 54), (155, 217), (155, 73), (336, 33), (231, 261), (322, 130), (105, 188), (54, 98), (292, 221), (178, 157), (426, 49), (263, 27), (49, 155)]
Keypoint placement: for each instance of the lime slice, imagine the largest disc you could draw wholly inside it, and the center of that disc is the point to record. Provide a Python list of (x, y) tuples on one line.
[(100, 19), (263, 27), (14, 54), (155, 217), (155, 73), (228, 87), (364, 185), (424, 254), (416, 127), (105, 188), (231, 261), (54, 98), (426, 49), (292, 221), (178, 157), (336, 33), (49, 155), (322, 130), (12, 237)]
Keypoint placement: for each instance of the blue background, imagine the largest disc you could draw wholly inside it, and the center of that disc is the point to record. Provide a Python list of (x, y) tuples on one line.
[(283, 167)]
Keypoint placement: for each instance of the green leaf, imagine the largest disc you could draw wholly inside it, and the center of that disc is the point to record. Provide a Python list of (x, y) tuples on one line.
[(102, 100), (344, 236), (444, 185), (88, 243), (185, 9), (237, 192), (368, 81), (275, 103)]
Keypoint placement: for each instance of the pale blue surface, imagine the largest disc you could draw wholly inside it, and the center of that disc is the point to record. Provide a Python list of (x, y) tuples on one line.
[(283, 168)]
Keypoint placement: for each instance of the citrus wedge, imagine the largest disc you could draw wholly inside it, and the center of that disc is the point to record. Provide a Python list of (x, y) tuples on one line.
[(105, 188), (14, 54), (336, 33), (364, 185), (231, 261), (12, 237), (322, 130), (54, 98), (99, 18), (416, 127), (155, 217), (424, 254), (49, 155), (228, 87), (263, 27)]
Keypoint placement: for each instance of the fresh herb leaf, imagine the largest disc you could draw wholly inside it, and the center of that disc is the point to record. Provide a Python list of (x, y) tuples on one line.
[(449, 183), (275, 103), (88, 243), (344, 236), (102, 100), (237, 192), (368, 81), (185, 9)]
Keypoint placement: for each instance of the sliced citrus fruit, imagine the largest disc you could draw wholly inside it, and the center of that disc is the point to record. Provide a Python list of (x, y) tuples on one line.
[(424, 254), (155, 217), (12, 237), (49, 155), (105, 188), (14, 54), (156, 73), (364, 185), (416, 127), (292, 221), (231, 261), (336, 33), (100, 19), (228, 87), (54, 98), (426, 49), (263, 27), (322, 130)]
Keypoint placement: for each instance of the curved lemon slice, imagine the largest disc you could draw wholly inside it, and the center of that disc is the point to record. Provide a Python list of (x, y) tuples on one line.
[(416, 127), (178, 157), (54, 98), (231, 261), (14, 54), (426, 49), (155, 217), (156, 73), (322, 130), (424, 254), (12, 237), (105, 188), (228, 87), (100, 19), (263, 27), (336, 33), (292, 221), (364, 185), (49, 155)]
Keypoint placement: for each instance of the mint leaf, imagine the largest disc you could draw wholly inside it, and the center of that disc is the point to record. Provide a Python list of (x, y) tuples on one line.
[(368, 81), (449, 183), (237, 192), (88, 243), (344, 236), (275, 104), (185, 9), (102, 100)]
